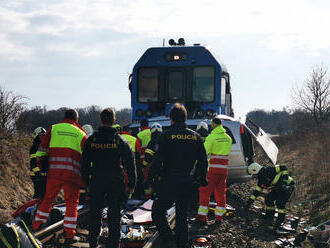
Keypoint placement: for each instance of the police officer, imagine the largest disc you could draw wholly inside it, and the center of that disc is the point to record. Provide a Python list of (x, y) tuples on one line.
[(281, 185), (103, 174), (180, 149), (37, 176)]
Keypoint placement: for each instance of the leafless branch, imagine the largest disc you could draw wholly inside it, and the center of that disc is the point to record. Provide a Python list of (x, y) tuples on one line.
[(314, 96)]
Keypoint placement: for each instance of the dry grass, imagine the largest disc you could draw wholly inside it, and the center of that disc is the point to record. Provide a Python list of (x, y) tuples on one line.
[(307, 156), (15, 184)]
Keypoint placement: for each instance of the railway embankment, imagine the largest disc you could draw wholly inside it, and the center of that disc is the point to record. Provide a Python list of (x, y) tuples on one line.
[(306, 155)]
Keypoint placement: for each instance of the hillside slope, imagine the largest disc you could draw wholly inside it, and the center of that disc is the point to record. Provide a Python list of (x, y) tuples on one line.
[(15, 184), (307, 157)]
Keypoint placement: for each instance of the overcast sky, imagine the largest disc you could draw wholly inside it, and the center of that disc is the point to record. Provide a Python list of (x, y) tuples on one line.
[(77, 53)]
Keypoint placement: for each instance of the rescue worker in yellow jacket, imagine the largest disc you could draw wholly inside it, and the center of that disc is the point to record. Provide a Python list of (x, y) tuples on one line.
[(37, 176), (63, 144), (145, 137), (217, 146), (280, 185), (135, 145)]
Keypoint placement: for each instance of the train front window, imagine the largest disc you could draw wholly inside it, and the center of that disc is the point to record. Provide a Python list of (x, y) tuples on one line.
[(148, 85), (203, 84), (175, 85)]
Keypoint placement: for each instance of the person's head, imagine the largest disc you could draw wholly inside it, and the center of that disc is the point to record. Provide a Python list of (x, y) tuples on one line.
[(202, 125), (118, 127), (39, 132), (156, 127), (178, 113), (71, 114), (203, 129), (216, 121), (126, 128), (144, 123), (108, 117)]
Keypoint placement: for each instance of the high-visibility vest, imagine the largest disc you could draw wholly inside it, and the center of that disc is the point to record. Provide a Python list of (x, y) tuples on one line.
[(145, 137), (131, 140), (218, 146), (65, 149)]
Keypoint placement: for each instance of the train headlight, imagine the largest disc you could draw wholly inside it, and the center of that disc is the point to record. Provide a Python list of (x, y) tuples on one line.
[(199, 113), (210, 113), (139, 113)]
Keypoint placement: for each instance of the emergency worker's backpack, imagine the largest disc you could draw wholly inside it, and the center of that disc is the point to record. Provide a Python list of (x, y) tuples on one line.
[(16, 234)]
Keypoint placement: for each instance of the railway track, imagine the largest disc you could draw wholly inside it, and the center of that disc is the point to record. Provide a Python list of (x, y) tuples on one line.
[(51, 236)]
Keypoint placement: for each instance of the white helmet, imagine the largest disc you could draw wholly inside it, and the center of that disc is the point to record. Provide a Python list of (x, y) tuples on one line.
[(38, 131), (88, 129), (202, 124), (254, 168), (156, 127)]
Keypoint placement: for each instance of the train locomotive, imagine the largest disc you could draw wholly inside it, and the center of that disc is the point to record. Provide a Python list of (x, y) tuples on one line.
[(178, 73)]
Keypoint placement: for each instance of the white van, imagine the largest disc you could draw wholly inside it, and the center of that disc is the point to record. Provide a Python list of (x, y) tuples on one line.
[(242, 150)]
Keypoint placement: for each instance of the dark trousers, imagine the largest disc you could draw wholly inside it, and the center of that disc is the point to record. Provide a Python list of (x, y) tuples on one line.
[(169, 193), (39, 185), (281, 197), (113, 194)]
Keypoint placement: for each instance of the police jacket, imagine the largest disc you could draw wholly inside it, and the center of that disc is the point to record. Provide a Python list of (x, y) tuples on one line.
[(104, 155), (181, 153), (274, 178), (151, 148)]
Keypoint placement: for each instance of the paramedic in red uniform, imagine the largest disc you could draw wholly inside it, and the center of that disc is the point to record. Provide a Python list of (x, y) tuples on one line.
[(217, 146), (63, 145)]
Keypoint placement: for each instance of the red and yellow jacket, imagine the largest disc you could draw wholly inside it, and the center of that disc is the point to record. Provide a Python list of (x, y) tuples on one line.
[(134, 142), (218, 146), (63, 144), (145, 137)]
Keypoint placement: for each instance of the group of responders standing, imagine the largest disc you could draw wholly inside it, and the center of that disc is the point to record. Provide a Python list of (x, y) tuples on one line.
[(114, 165)]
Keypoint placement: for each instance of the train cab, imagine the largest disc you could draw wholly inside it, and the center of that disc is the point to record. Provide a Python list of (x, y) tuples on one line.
[(187, 74)]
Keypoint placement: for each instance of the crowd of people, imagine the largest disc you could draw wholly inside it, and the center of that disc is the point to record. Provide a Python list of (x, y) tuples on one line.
[(171, 166)]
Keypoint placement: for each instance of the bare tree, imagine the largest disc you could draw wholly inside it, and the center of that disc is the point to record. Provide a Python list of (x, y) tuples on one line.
[(314, 96), (11, 106)]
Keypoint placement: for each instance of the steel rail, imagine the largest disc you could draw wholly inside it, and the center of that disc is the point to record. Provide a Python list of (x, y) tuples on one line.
[(47, 233), (154, 239)]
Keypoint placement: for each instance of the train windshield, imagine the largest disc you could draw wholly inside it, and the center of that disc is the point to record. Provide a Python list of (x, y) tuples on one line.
[(175, 85), (148, 85), (203, 84)]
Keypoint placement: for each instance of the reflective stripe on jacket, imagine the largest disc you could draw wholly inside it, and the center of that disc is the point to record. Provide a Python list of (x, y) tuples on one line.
[(63, 144), (218, 146)]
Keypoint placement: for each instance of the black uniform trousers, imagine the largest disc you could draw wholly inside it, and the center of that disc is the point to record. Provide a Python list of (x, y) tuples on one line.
[(172, 192), (39, 185), (113, 193), (281, 197)]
